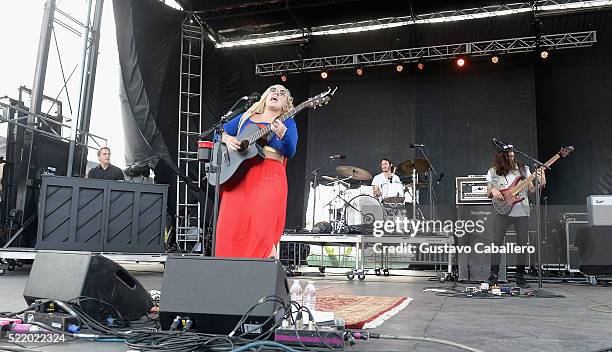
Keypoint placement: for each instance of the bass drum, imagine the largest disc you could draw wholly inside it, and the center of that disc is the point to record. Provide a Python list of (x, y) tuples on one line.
[(363, 210)]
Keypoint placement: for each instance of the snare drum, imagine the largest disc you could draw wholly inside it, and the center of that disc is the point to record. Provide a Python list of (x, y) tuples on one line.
[(392, 192)]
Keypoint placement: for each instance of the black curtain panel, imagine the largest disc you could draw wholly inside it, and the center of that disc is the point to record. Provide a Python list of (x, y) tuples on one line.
[(574, 107), (148, 39)]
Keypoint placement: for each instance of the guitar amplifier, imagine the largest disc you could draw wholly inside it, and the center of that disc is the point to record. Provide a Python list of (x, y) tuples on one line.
[(599, 210), (472, 190)]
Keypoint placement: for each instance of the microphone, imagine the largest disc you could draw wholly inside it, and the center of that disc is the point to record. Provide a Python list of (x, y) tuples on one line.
[(501, 145), (337, 156), (253, 97), (414, 145)]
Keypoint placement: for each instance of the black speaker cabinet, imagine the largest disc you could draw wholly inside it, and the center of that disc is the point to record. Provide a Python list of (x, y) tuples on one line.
[(476, 267), (64, 276), (214, 293)]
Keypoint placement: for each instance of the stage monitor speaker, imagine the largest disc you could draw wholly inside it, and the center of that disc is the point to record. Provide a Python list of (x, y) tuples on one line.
[(65, 276), (214, 293)]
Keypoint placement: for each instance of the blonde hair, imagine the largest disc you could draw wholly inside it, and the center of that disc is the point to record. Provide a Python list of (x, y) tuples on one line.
[(260, 106)]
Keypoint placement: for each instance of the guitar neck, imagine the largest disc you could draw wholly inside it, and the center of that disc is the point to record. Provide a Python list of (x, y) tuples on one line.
[(264, 131), (520, 187)]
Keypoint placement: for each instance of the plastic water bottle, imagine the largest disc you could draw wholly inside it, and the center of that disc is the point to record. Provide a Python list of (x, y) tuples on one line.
[(296, 296), (310, 299), (296, 292)]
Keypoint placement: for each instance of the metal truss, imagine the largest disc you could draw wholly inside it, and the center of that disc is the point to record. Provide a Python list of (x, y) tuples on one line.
[(439, 52), (188, 215), (8, 111), (541, 6)]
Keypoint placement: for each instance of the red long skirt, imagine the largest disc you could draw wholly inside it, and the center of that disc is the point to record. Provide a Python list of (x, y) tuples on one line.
[(252, 212)]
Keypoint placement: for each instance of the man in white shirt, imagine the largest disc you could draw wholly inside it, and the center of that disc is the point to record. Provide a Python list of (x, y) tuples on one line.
[(384, 179)]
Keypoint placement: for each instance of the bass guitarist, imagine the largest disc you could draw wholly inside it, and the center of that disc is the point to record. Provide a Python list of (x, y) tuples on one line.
[(504, 172), (252, 212)]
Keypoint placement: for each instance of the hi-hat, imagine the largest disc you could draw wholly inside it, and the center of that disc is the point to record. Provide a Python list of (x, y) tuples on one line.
[(329, 178), (406, 167), (355, 172)]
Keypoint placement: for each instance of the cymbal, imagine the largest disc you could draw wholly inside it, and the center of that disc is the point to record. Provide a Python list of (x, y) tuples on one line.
[(334, 180), (393, 200), (354, 171), (406, 166), (418, 185), (329, 178)]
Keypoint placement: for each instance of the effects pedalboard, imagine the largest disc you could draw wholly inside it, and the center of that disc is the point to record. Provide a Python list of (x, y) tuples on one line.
[(496, 289), (325, 335), (50, 314)]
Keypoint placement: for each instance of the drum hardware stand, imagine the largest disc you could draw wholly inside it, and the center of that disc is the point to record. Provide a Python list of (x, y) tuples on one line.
[(414, 194), (430, 181), (339, 225)]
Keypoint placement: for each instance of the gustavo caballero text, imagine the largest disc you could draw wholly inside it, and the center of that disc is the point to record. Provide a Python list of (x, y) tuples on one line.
[(481, 248)]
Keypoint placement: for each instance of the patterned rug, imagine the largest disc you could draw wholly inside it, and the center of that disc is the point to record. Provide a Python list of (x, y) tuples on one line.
[(361, 312)]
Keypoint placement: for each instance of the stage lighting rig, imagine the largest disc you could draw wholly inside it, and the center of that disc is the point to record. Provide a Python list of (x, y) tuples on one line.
[(324, 74), (359, 71), (399, 67), (460, 62), (283, 77), (495, 59), (421, 66)]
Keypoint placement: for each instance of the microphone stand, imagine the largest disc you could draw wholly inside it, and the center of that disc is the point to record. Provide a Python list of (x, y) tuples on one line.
[(537, 164), (430, 186), (215, 169)]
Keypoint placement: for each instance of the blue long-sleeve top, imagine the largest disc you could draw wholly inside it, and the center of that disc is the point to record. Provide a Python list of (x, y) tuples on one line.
[(286, 146)]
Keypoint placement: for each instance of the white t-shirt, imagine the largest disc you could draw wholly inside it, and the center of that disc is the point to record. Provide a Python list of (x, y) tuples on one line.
[(381, 180), (505, 181)]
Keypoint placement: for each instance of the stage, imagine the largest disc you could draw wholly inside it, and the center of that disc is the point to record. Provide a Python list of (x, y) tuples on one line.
[(505, 324), (405, 93)]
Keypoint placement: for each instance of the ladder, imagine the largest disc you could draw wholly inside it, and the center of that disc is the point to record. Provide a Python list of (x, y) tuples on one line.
[(188, 230)]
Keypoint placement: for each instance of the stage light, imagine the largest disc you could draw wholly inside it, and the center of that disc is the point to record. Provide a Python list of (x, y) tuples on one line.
[(544, 54), (359, 71), (324, 74), (460, 62), (283, 77), (495, 59), (399, 67), (421, 66)]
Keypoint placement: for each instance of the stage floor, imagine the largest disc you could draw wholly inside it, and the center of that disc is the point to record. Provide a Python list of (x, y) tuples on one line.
[(509, 324)]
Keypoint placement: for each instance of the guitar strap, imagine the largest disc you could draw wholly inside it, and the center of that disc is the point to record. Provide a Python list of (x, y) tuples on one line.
[(243, 119), (522, 171)]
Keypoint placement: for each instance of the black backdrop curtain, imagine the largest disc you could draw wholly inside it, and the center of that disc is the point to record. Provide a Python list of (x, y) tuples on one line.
[(537, 107), (148, 39), (574, 106)]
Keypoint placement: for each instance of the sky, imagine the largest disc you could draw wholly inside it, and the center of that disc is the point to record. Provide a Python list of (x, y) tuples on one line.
[(20, 25)]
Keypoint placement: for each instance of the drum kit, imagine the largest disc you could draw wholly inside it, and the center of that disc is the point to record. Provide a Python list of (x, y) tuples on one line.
[(354, 206)]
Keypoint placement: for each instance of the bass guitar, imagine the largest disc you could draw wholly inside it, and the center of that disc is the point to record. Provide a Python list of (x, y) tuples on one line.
[(510, 193)]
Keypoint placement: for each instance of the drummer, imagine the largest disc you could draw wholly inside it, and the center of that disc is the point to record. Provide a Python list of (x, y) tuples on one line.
[(385, 178)]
